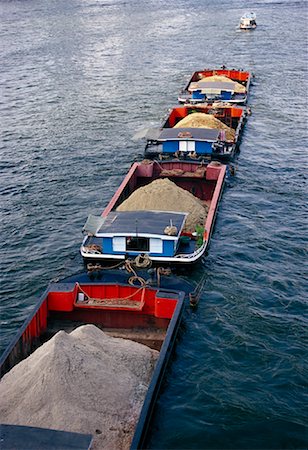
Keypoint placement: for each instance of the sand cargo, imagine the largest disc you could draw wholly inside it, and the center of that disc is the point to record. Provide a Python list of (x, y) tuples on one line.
[(208, 85), (163, 213), (85, 369), (198, 132)]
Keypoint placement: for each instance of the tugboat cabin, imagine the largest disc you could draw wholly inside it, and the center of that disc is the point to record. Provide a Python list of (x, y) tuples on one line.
[(136, 232), (189, 140), (211, 90)]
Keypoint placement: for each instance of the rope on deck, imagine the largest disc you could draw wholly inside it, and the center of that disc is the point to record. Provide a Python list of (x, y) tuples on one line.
[(113, 301)]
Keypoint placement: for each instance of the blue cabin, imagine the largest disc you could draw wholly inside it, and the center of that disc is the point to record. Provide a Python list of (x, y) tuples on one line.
[(210, 90), (129, 233), (189, 140)]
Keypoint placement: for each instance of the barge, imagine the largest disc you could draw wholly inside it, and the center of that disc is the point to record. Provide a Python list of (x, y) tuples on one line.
[(144, 314), (209, 85), (188, 132), (145, 235)]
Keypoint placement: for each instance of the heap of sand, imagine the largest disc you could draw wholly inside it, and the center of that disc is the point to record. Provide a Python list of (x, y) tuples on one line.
[(164, 195), (84, 382), (239, 88), (202, 120)]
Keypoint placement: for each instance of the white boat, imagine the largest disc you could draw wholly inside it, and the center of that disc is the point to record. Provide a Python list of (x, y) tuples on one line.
[(248, 21)]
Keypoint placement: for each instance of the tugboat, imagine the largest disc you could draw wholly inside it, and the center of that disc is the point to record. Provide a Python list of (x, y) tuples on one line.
[(248, 21)]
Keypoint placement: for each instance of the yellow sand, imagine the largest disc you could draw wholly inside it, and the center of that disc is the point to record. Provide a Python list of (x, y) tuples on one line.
[(239, 88), (202, 120), (164, 195)]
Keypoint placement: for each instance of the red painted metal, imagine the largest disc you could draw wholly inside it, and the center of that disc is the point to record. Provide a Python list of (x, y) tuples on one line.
[(236, 75), (141, 174), (128, 180), (209, 223), (156, 310), (226, 113), (149, 303)]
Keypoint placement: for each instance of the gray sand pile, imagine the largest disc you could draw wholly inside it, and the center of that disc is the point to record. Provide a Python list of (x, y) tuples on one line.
[(84, 382), (164, 195), (202, 120)]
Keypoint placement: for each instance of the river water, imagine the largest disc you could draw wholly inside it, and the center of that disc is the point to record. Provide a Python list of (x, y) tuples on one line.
[(78, 78)]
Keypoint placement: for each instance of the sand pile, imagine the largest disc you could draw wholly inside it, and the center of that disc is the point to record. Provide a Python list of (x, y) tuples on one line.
[(202, 120), (85, 382), (239, 88), (164, 195)]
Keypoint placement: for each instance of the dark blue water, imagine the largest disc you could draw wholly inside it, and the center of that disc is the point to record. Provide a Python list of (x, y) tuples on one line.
[(78, 78)]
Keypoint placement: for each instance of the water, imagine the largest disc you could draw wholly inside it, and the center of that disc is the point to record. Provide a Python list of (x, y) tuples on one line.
[(78, 79)]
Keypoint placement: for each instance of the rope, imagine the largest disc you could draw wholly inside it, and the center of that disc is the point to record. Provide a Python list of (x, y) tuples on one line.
[(93, 249), (91, 266), (159, 165), (134, 278), (129, 268), (195, 295), (162, 271), (142, 261), (101, 300), (171, 230)]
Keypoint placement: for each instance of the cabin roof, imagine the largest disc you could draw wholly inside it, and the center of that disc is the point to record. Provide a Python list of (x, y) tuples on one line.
[(249, 15), (199, 134), (26, 437), (143, 222)]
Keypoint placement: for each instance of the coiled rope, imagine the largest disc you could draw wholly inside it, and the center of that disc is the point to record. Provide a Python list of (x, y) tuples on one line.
[(134, 277), (142, 261)]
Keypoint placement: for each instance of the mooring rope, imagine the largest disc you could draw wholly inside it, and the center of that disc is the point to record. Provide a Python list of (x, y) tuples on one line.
[(101, 300), (194, 296)]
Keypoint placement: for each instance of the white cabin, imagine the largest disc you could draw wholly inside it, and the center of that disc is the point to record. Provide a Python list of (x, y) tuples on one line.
[(248, 21)]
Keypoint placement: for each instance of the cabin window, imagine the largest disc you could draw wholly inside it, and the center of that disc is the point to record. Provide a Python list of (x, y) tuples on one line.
[(137, 244), (156, 245), (187, 146), (118, 244)]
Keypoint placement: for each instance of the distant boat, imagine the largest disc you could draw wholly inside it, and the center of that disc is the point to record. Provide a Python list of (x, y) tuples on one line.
[(248, 21)]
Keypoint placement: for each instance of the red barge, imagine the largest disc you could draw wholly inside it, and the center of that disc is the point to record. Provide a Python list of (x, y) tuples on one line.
[(142, 233), (208, 85), (148, 315), (200, 141)]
